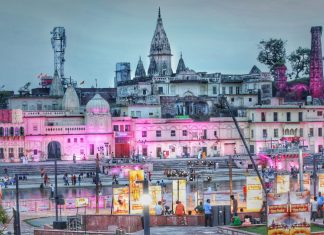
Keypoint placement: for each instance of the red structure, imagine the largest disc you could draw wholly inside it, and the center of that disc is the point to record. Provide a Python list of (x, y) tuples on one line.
[(281, 80), (316, 63)]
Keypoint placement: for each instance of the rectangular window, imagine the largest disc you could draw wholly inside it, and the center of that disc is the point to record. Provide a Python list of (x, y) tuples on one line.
[(288, 117), (138, 113), (151, 114), (252, 133), (275, 116), (311, 132), (160, 89), (116, 128), (300, 116), (69, 140), (204, 136), (35, 127), (263, 117), (1, 153), (275, 133), (231, 90), (184, 132), (319, 113), (250, 99), (39, 106), (320, 148), (132, 114), (320, 132), (264, 133), (237, 90), (121, 127), (173, 133), (252, 148), (232, 99), (91, 149), (301, 132), (144, 133), (75, 140), (223, 90), (35, 152), (215, 133), (158, 133), (81, 140), (21, 152), (215, 90), (144, 150), (127, 128)]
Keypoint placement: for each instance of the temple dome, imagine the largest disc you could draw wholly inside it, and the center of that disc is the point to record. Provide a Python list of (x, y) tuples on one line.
[(71, 100), (97, 105)]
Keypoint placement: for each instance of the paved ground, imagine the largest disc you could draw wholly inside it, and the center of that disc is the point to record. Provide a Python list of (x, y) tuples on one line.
[(178, 230)]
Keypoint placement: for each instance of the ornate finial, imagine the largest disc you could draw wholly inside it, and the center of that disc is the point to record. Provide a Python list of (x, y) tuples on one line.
[(70, 81), (181, 54), (159, 13), (96, 83)]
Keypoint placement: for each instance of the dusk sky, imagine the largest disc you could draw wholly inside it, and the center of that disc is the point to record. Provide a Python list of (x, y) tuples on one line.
[(213, 35)]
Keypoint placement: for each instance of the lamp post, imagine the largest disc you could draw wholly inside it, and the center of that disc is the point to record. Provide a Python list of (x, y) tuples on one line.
[(17, 224), (97, 184), (146, 204)]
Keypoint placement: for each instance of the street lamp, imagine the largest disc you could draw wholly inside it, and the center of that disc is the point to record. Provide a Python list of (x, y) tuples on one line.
[(146, 201)]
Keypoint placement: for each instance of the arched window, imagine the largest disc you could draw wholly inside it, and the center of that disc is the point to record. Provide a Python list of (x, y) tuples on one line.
[(12, 130), (16, 131), (6, 132), (286, 132), (292, 132), (22, 131), (1, 131)]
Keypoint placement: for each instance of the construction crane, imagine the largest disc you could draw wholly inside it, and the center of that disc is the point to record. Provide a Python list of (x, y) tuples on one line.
[(225, 104), (58, 41), (24, 91)]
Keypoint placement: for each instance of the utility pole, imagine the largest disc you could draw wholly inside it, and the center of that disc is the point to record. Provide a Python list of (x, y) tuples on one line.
[(314, 173), (97, 184), (230, 174), (17, 225), (301, 168), (56, 196), (146, 211)]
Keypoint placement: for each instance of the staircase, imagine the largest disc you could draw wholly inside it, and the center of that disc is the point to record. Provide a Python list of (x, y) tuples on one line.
[(35, 168)]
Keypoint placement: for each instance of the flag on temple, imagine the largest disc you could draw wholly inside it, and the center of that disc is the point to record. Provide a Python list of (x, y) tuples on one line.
[(82, 82)]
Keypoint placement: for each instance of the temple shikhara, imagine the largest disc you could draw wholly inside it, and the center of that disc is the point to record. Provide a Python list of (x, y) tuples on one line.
[(162, 112)]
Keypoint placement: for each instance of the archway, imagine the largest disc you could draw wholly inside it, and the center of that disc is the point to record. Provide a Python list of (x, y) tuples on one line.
[(54, 150)]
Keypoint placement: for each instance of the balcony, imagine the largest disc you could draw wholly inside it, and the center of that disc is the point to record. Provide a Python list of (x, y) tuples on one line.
[(54, 130)]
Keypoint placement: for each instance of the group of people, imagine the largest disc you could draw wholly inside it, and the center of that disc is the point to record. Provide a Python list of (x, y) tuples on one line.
[(74, 179), (317, 207)]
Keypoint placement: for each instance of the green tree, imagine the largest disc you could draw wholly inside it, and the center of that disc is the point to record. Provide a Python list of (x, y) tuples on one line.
[(272, 53), (299, 60), (3, 218)]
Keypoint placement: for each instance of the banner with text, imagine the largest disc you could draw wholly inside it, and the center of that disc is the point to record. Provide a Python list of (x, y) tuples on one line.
[(321, 183), (253, 194), (136, 191), (283, 183), (156, 196), (278, 213), (121, 201), (307, 181), (300, 213)]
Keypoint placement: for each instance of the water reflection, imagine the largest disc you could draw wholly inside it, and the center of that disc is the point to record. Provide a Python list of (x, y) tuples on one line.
[(72, 192)]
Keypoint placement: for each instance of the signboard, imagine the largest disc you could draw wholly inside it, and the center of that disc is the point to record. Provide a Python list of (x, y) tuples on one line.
[(253, 194), (81, 202), (120, 201), (179, 193), (300, 213), (321, 183), (307, 181), (156, 196), (283, 183), (289, 213), (136, 191), (278, 213)]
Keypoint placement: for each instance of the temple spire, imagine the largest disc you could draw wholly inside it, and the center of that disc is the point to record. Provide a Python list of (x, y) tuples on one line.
[(181, 65), (160, 51), (140, 71)]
